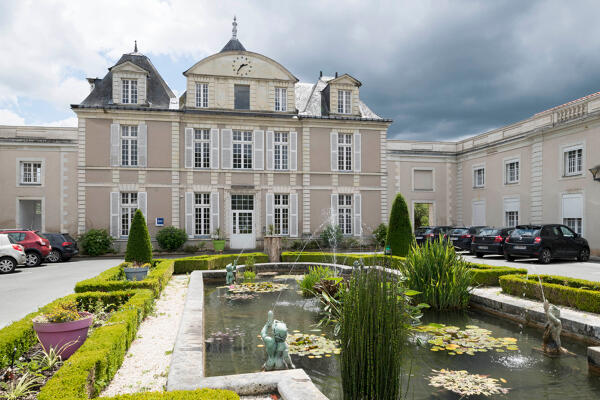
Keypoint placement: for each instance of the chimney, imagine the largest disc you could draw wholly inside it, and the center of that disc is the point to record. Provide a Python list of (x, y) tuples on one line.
[(320, 74), (336, 74)]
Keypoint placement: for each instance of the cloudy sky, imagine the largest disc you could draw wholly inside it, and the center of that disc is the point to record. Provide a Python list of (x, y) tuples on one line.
[(439, 69)]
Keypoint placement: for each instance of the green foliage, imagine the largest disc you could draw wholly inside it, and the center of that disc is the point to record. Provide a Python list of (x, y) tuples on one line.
[(440, 275), (95, 242), (217, 261), (380, 235), (171, 238), (22, 387), (331, 237), (194, 248), (421, 214), (577, 293), (113, 279), (139, 247), (249, 276), (198, 394), (375, 320), (487, 275), (314, 276), (400, 234), (65, 311), (341, 258), (249, 264)]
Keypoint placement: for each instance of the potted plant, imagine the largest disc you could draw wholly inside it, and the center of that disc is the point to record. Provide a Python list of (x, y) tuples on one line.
[(63, 327), (139, 249), (218, 240)]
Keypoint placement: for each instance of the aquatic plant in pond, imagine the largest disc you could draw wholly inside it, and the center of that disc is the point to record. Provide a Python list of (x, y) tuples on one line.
[(257, 287), (312, 346), (315, 275), (465, 384)]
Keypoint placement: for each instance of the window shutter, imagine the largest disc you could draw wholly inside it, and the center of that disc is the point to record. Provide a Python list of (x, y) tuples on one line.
[(294, 215), (259, 152), (143, 204), (357, 147), (189, 214), (269, 205), (226, 149), (270, 151), (114, 214), (142, 145), (357, 203), (334, 151), (334, 208), (214, 211), (293, 156), (214, 148), (115, 145), (189, 147)]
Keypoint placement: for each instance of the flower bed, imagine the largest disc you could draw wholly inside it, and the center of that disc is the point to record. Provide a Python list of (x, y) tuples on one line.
[(218, 261), (577, 293), (114, 279)]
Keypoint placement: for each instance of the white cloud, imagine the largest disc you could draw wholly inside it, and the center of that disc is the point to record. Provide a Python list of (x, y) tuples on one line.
[(8, 117), (67, 122)]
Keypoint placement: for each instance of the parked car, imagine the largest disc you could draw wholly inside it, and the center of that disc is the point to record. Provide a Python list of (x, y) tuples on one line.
[(546, 242), (430, 232), (37, 247), (490, 241), (63, 247), (461, 238), (11, 254)]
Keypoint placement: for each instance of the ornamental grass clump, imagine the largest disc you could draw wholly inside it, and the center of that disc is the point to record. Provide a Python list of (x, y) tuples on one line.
[(440, 275), (139, 247), (314, 276)]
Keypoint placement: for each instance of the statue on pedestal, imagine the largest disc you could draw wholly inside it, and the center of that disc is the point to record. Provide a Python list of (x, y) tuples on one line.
[(277, 349), (230, 276), (551, 340)]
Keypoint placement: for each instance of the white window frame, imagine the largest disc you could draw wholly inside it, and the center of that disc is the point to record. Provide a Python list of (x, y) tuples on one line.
[(345, 213), (511, 215), (576, 224), (127, 210), (345, 145), (202, 148), (565, 160), (564, 220), (281, 150), (242, 148), (344, 101), (280, 99), (129, 142), (507, 163), (281, 214), (37, 179), (202, 214), (476, 168), (432, 179), (201, 95), (129, 91)]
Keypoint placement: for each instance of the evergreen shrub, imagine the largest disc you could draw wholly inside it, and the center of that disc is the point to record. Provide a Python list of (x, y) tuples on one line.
[(139, 247), (95, 242), (400, 234), (171, 238)]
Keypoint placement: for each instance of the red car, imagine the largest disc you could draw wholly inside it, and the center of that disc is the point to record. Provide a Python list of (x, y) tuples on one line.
[(37, 247)]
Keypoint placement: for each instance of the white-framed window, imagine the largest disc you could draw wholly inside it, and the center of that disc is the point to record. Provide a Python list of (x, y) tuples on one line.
[(344, 102), (202, 95), (572, 211), (280, 99), (201, 214), (573, 161), (478, 176), (201, 148), (345, 213), (575, 224), (511, 218), (344, 151), (281, 216), (129, 203), (129, 145), (512, 172), (31, 173), (280, 150), (129, 91), (242, 149)]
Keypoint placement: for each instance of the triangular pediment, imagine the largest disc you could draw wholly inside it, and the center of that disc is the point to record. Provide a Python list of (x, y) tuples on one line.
[(345, 79), (129, 67)]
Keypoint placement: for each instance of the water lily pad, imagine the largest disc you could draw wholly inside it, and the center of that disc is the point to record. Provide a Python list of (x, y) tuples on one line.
[(313, 346), (257, 287), (465, 384)]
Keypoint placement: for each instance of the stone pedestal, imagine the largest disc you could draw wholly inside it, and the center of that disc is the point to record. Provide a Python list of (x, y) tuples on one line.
[(272, 246), (593, 356)]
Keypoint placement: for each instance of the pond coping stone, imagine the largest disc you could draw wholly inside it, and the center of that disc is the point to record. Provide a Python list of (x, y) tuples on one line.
[(593, 356)]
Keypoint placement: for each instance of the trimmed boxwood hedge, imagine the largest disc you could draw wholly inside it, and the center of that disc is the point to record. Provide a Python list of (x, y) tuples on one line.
[(198, 394), (114, 279), (219, 261), (577, 293), (487, 275)]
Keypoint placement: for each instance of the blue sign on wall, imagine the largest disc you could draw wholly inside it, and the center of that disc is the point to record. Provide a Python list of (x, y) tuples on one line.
[(160, 221)]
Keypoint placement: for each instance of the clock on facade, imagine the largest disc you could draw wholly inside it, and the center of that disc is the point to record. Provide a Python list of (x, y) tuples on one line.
[(241, 66)]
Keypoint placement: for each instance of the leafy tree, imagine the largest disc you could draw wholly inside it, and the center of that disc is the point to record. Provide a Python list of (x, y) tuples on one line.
[(171, 238), (139, 247), (400, 235), (421, 214)]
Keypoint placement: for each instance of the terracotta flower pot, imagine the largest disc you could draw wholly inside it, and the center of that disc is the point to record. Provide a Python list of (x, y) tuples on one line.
[(135, 274), (69, 335)]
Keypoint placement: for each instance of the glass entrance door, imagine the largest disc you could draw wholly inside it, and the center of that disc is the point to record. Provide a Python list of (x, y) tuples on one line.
[(242, 223)]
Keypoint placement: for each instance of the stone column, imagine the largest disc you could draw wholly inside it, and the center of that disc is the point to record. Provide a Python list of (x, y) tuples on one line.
[(272, 246)]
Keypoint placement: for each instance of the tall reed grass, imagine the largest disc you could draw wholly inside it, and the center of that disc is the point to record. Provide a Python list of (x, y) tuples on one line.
[(440, 275)]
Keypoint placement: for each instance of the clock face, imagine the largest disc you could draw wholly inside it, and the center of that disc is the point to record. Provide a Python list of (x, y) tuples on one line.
[(241, 66)]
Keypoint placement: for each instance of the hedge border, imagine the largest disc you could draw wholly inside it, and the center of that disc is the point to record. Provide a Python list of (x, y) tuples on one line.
[(198, 394), (216, 261), (577, 293), (113, 279), (488, 275)]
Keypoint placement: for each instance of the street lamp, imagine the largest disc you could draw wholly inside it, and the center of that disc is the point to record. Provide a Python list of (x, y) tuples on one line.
[(596, 172)]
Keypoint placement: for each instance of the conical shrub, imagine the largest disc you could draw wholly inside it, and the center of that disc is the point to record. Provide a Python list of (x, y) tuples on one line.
[(400, 234), (139, 247)]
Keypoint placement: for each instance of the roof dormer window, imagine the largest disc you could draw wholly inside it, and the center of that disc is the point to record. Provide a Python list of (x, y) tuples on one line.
[(202, 95), (344, 102), (129, 91), (280, 99)]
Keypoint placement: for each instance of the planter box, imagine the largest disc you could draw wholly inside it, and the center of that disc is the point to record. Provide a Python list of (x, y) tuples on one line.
[(218, 245), (136, 274), (69, 335)]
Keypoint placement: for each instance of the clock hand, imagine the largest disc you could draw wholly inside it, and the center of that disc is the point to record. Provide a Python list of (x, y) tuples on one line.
[(241, 66)]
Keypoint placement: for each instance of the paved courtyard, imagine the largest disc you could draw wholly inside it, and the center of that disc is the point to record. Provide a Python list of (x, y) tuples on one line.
[(29, 288)]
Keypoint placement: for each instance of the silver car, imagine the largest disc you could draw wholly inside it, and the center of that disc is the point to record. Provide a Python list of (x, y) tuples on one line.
[(11, 254)]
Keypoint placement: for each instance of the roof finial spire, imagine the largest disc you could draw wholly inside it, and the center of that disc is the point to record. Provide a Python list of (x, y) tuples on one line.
[(234, 29), (135, 46)]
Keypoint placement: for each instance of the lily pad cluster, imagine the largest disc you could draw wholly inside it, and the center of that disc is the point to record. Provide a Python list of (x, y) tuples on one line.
[(465, 384), (469, 341), (257, 287), (311, 346), (240, 296)]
